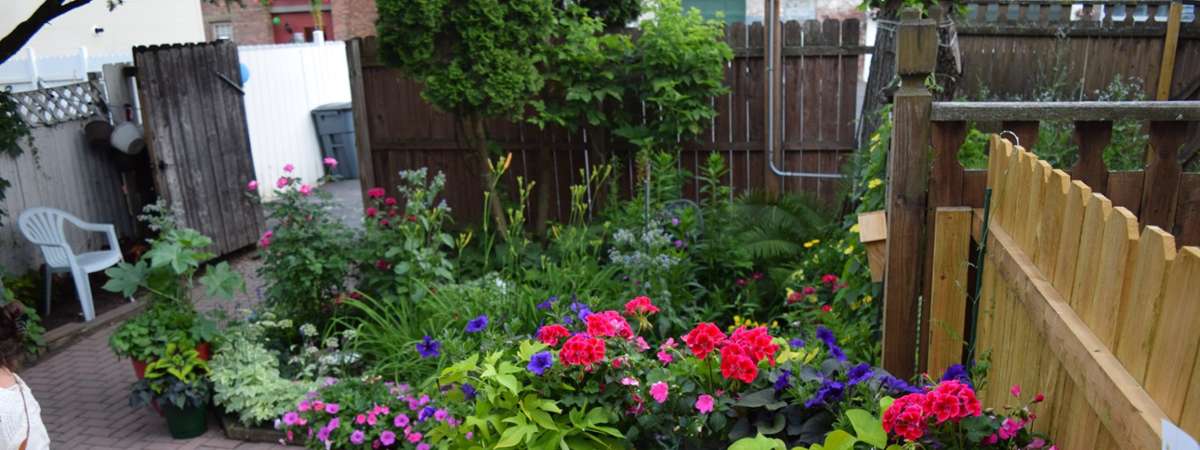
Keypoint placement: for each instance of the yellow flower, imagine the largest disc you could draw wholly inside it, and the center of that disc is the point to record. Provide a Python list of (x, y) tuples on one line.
[(874, 183), (854, 228), (867, 299), (849, 249), (812, 243)]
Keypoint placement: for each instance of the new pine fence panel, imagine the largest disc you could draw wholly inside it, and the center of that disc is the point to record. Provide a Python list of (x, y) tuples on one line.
[(818, 96), (1078, 303)]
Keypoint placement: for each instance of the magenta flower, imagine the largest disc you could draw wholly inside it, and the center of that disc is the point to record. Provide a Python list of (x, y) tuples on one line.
[(360, 419), (303, 405), (400, 421), (387, 438), (371, 211), (376, 192), (422, 446), (665, 357), (330, 162), (252, 185), (704, 404), (291, 418), (415, 437), (357, 437), (264, 242), (1015, 390), (332, 408), (281, 182), (440, 415), (289, 168), (305, 190), (659, 391), (1009, 428)]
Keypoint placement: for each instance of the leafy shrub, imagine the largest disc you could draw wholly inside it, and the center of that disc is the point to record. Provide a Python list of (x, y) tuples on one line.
[(306, 255), (246, 378), (178, 377)]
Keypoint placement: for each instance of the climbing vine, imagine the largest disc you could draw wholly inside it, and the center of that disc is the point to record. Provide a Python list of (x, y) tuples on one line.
[(13, 131)]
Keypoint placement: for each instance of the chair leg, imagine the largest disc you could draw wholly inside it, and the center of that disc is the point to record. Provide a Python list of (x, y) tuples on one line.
[(48, 282), (84, 289)]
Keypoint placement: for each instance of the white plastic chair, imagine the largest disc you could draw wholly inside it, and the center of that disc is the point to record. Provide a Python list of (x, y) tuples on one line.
[(44, 227)]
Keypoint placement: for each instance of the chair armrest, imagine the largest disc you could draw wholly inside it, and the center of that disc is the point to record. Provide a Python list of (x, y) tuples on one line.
[(106, 228)]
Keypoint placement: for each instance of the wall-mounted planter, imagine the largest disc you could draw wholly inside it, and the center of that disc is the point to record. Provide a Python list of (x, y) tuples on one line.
[(872, 232)]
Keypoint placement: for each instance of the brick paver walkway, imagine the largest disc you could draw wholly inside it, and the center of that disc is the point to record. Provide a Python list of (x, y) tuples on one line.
[(84, 394)]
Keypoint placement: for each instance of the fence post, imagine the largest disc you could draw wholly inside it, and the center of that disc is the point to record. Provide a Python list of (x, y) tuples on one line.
[(908, 183)]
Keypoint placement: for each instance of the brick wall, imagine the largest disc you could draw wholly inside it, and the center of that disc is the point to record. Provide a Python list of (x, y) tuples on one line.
[(354, 18), (251, 24)]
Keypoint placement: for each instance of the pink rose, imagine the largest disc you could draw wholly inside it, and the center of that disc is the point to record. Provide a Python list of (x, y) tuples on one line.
[(281, 182), (289, 168), (704, 404), (1015, 390), (305, 190), (330, 162), (375, 192), (659, 391), (252, 185)]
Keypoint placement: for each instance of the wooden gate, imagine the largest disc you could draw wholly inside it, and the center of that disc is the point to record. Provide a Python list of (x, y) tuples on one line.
[(195, 125), (1074, 302)]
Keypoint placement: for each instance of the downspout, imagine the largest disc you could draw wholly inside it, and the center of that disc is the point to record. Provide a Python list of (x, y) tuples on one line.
[(771, 11)]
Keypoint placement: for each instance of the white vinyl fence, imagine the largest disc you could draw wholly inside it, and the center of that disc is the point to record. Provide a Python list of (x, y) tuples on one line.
[(30, 71), (285, 83)]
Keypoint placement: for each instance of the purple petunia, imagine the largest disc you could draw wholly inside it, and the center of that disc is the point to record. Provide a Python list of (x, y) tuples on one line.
[(539, 362), (796, 343), (549, 303), (783, 382), (830, 391), (859, 374), (357, 437), (826, 336), (400, 421), (468, 390), (580, 309), (898, 386), (387, 438), (477, 324), (425, 413), (958, 372), (429, 348)]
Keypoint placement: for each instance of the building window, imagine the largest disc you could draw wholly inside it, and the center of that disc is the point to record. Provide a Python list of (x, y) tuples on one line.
[(222, 31)]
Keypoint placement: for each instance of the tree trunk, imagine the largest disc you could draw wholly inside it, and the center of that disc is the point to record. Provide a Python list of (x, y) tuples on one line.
[(883, 71), (477, 138)]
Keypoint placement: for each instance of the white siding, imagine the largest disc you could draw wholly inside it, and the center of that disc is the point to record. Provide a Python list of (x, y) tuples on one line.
[(286, 83)]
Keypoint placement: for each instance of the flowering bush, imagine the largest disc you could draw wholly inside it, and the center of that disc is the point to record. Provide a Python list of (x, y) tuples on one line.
[(403, 248), (365, 414), (306, 258), (948, 415)]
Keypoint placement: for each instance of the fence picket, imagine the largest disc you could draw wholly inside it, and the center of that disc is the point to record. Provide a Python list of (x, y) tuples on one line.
[(1176, 337), (1156, 251)]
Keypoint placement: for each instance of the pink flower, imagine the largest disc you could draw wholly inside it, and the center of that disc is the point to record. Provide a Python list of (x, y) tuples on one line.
[(375, 192), (332, 408), (305, 190), (659, 391), (390, 201), (629, 381), (1015, 390), (303, 405), (360, 419), (281, 182), (641, 344), (289, 168), (704, 404), (990, 439), (665, 357), (252, 185), (1009, 428), (264, 242), (414, 437), (330, 162), (371, 211)]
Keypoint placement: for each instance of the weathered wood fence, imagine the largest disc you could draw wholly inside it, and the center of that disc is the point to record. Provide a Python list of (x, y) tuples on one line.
[(1010, 49), (1161, 194), (1074, 302), (398, 130), (195, 131)]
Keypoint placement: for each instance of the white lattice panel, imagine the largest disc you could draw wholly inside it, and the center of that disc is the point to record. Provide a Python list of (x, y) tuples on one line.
[(51, 106)]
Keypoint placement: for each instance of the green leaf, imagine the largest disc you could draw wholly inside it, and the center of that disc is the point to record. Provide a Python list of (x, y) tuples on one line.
[(759, 442), (511, 437), (125, 278), (867, 427), (839, 440), (509, 382), (220, 280)]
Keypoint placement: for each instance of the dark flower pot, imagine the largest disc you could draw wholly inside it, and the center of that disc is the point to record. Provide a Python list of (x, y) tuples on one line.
[(187, 422)]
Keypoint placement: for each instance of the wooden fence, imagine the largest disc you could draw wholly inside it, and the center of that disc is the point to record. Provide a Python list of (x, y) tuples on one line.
[(1075, 303), (195, 128), (398, 130), (1011, 49), (61, 171), (1161, 194)]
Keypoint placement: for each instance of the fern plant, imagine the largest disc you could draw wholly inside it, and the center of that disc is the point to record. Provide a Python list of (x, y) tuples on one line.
[(775, 229)]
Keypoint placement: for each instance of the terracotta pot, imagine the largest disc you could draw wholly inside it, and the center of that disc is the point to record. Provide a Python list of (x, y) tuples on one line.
[(139, 368), (205, 351)]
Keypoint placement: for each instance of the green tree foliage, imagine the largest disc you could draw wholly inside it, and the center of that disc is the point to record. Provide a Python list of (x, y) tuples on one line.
[(615, 14)]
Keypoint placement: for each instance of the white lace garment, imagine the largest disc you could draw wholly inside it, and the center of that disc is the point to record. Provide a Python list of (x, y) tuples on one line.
[(13, 418)]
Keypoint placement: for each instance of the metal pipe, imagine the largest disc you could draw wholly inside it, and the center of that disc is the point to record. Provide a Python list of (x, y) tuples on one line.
[(772, 18)]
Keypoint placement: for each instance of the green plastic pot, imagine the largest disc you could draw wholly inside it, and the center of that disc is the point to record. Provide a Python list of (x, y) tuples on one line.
[(187, 422)]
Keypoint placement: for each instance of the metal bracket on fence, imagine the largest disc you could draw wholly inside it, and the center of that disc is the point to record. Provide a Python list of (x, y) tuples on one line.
[(1016, 139), (229, 82), (973, 313)]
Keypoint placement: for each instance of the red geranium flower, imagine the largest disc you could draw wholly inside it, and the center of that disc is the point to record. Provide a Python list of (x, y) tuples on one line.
[(582, 350), (826, 308), (703, 339), (550, 334), (755, 343), (907, 417), (737, 364), (608, 324), (640, 305), (829, 278)]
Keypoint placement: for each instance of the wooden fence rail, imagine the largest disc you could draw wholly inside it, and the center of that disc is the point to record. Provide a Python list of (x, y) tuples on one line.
[(1076, 303)]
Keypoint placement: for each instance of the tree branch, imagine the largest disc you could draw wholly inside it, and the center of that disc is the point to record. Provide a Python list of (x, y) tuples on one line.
[(12, 42)]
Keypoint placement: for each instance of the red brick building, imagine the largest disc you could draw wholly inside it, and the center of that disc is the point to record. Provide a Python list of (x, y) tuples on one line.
[(284, 21)]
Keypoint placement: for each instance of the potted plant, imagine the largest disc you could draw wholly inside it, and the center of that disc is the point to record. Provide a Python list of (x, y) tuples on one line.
[(144, 337), (178, 382)]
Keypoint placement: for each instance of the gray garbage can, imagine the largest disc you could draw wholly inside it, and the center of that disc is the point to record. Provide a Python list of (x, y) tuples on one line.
[(335, 131)]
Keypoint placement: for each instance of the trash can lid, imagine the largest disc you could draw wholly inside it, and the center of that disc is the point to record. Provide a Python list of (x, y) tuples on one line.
[(333, 106)]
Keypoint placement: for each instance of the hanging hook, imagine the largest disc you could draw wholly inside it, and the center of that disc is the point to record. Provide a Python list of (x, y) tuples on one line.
[(1016, 139)]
